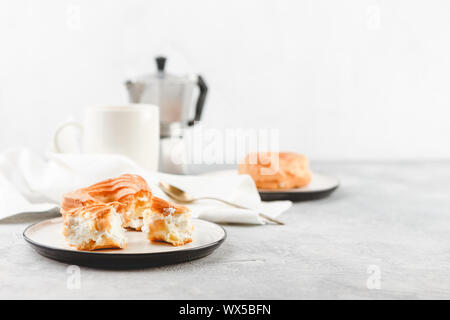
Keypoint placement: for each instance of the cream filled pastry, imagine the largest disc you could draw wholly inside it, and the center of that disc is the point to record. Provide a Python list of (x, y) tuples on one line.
[(168, 222), (96, 226), (273, 170), (97, 216), (131, 191)]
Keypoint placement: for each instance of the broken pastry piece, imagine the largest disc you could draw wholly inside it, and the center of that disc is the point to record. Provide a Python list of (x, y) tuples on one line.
[(168, 222), (95, 217), (96, 226), (130, 190)]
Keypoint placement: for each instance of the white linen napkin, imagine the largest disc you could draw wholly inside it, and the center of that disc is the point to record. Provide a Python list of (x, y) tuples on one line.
[(32, 182)]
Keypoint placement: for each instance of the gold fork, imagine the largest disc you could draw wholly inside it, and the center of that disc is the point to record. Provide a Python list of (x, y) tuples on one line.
[(184, 197)]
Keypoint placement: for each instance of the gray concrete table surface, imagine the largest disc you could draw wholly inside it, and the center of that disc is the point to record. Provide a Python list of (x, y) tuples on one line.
[(386, 221)]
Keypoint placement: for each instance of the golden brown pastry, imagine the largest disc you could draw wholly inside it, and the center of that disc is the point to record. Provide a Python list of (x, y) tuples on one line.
[(95, 226), (273, 170), (168, 222), (95, 217), (131, 191)]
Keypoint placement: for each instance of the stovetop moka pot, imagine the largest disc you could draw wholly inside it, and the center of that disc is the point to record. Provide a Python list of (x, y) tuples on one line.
[(174, 96)]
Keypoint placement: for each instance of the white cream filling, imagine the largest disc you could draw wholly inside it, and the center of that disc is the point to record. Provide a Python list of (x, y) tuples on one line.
[(179, 226), (82, 231), (135, 222), (135, 218)]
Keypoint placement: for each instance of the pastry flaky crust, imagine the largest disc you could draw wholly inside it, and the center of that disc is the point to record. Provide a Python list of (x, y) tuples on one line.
[(273, 170), (95, 226), (95, 216), (131, 191), (168, 222)]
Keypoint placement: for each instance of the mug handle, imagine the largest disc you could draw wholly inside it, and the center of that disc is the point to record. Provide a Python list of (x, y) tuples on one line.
[(60, 129)]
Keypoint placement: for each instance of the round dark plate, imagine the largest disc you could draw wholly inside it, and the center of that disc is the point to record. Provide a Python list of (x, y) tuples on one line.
[(47, 239), (319, 187)]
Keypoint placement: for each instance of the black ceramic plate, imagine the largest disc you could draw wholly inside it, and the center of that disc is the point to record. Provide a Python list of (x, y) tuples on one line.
[(319, 187), (46, 238)]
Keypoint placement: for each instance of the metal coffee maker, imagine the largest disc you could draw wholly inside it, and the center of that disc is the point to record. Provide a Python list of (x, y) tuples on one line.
[(174, 94)]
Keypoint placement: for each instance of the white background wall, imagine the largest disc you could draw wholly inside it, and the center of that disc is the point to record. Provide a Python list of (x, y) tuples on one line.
[(354, 79)]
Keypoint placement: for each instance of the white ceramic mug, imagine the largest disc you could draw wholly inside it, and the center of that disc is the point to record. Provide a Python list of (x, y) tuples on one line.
[(130, 130)]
